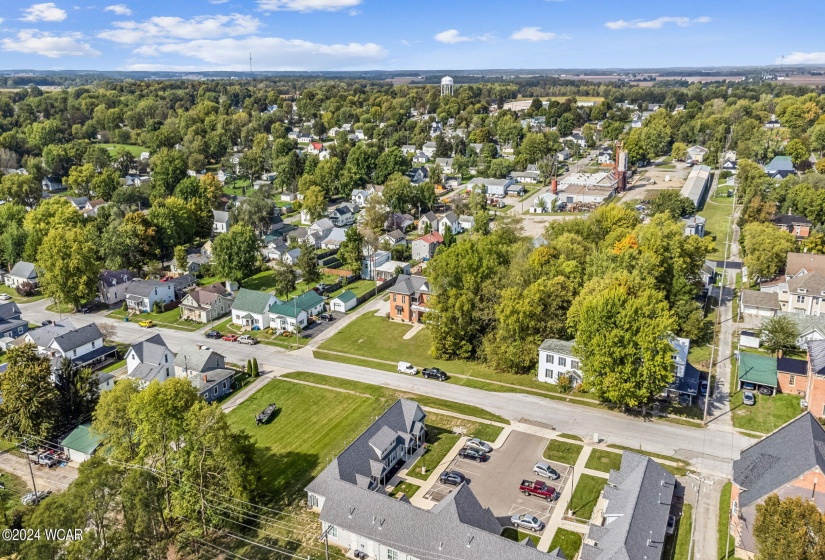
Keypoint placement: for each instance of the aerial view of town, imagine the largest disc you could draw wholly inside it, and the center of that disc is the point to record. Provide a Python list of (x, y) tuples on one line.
[(394, 280)]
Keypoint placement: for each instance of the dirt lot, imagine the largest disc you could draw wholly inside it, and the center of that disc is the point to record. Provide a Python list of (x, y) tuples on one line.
[(656, 178)]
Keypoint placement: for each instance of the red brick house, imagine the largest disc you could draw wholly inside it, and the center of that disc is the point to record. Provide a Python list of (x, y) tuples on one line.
[(815, 386), (792, 375), (408, 298)]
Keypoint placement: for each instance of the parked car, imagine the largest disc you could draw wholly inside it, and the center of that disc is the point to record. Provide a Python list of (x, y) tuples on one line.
[(213, 335), (538, 488), (527, 521), (748, 387), (767, 391), (748, 398), (48, 459), (671, 524), (434, 373), (246, 339), (147, 324), (408, 368), (454, 478), (321, 288), (543, 469), (703, 388), (230, 337), (45, 323), (473, 454), (327, 317), (475, 443), (5, 297)]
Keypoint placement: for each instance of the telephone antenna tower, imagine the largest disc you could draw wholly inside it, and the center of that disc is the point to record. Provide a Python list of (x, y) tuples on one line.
[(250, 66)]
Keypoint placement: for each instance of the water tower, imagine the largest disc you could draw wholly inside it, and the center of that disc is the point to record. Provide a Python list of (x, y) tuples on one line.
[(446, 85)]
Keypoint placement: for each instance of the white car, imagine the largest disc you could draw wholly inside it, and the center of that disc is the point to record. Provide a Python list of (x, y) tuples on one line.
[(406, 367), (477, 444), (5, 297), (527, 521)]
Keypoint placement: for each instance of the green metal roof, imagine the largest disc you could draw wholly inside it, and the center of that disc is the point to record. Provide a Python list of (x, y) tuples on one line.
[(346, 296), (293, 307), (756, 368), (82, 439), (251, 300)]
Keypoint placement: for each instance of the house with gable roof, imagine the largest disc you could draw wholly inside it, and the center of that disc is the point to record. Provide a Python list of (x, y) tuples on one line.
[(206, 304), (206, 370), (250, 309), (150, 360), (21, 272), (408, 298), (297, 311), (12, 324), (111, 286)]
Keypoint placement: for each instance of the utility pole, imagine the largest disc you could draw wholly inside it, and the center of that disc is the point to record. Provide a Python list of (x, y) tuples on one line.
[(325, 537), (28, 459)]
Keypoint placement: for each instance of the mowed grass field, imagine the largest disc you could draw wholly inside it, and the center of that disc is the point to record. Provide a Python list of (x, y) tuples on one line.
[(717, 213), (134, 150)]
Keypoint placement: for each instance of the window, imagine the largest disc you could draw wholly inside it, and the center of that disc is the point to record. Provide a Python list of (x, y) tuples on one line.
[(735, 508), (333, 530), (74, 353), (548, 373), (403, 299), (20, 330), (791, 380), (392, 554), (574, 364), (800, 299), (166, 358), (562, 362), (167, 372), (393, 298), (549, 358), (215, 391), (224, 384), (93, 344)]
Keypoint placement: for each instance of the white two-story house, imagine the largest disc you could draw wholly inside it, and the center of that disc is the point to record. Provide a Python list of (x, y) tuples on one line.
[(556, 359), (142, 295), (150, 360)]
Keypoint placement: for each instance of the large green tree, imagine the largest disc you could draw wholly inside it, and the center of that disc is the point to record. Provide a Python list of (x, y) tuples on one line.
[(351, 251), (790, 528), (235, 253), (766, 247), (68, 259), (30, 400)]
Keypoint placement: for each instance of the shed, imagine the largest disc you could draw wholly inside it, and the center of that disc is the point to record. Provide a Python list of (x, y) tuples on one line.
[(345, 301), (81, 443), (749, 339)]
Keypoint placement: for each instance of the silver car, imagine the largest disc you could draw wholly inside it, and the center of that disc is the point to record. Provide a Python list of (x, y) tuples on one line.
[(527, 521), (478, 445), (545, 470), (748, 398)]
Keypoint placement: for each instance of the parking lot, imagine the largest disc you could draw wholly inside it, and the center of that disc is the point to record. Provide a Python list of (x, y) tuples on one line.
[(318, 327), (496, 482)]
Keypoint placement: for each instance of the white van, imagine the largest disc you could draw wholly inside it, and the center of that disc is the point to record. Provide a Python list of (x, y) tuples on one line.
[(406, 367)]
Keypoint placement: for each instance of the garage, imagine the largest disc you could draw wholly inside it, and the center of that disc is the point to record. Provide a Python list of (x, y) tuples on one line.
[(81, 443), (345, 301)]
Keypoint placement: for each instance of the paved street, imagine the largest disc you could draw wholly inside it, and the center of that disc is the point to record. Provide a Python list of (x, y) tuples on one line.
[(54, 479)]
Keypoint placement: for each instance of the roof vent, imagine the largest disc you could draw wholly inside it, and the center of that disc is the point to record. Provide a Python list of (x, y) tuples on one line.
[(351, 511)]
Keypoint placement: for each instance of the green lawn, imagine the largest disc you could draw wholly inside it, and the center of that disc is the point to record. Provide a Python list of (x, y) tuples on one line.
[(562, 451), (680, 469), (572, 437), (14, 490), (134, 150), (724, 524), (359, 288), (586, 495), (601, 460), (385, 393), (266, 336), (682, 533), (290, 454), (515, 535), (117, 365), (407, 488), (18, 298), (717, 212), (265, 282), (569, 541), (439, 443), (767, 414), (168, 319)]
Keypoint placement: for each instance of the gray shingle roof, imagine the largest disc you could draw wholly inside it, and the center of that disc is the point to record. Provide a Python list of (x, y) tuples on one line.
[(220, 217), (763, 300), (796, 262), (213, 377), (9, 310), (194, 358), (639, 495), (144, 288), (78, 337), (409, 285), (24, 269), (43, 336), (151, 350), (812, 283), (556, 346), (790, 451), (115, 277)]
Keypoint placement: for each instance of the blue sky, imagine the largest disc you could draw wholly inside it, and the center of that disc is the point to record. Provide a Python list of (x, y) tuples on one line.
[(197, 35)]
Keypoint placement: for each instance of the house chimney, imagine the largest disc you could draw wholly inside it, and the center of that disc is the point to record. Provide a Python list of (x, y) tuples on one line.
[(204, 378), (779, 353), (554, 186)]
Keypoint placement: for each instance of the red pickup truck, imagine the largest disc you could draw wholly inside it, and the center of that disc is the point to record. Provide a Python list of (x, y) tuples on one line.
[(538, 488)]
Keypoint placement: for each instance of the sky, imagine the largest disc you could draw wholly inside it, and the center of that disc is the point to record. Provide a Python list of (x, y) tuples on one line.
[(294, 35)]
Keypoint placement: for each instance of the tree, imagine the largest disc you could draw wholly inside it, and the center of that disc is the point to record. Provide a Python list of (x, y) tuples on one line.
[(449, 237), (80, 179), (779, 334), (534, 148), (105, 183), (481, 222), (351, 250), (622, 339), (181, 260), (673, 204), (679, 151), (212, 189), (398, 193), (20, 189), (68, 259), (820, 166), (12, 243), (375, 214), (390, 162), (308, 264), (798, 151), (256, 212), (30, 400), (791, 529), (116, 427), (168, 169), (77, 393), (285, 278), (235, 253), (766, 248), (315, 203)]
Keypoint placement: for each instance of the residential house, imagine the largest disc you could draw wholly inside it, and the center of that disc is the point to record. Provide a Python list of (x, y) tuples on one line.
[(531, 177), (21, 273), (492, 187), (388, 270), (342, 216), (315, 148), (789, 463), (697, 153), (729, 166), (398, 221), (150, 360), (79, 203), (291, 256), (274, 249), (84, 346), (407, 149), (800, 226), (466, 223), (359, 197), (759, 303), (194, 262), (815, 388), (371, 261), (803, 294), (445, 163), (206, 370), (780, 167), (429, 149), (343, 302), (206, 304), (428, 222), (563, 155), (791, 375), (297, 311), (221, 221), (421, 157), (357, 514), (408, 298), (418, 175), (52, 185), (334, 239), (686, 380), (321, 227), (694, 225), (449, 220), (142, 295), (556, 359), (708, 274), (91, 208), (393, 238), (250, 310), (772, 124), (12, 324), (81, 443), (797, 264), (423, 248), (633, 523), (516, 189)]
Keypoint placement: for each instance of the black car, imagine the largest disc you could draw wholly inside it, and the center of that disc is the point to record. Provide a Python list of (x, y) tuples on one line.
[(453, 478), (473, 454), (767, 391), (434, 373), (213, 334)]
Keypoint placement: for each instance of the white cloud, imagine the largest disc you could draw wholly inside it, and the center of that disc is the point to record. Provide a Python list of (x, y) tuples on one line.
[(119, 9), (657, 23), (802, 58), (271, 53), (452, 36), (162, 28), (32, 41), (44, 12), (307, 5), (534, 34)]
